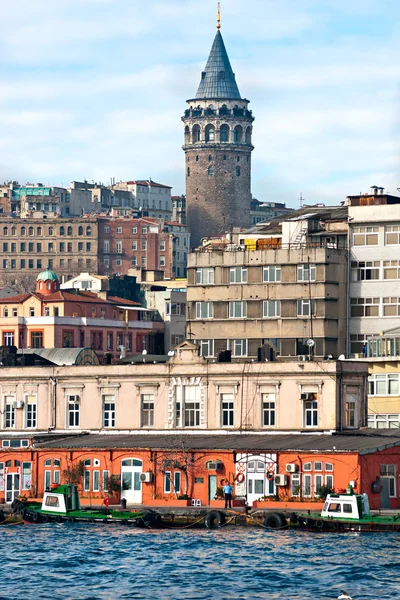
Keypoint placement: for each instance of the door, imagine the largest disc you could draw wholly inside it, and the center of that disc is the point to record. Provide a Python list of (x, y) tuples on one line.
[(212, 487), (12, 487), (385, 499), (255, 481), (131, 486)]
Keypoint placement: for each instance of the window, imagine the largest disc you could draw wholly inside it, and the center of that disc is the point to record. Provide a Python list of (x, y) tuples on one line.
[(8, 338), (162, 261), (73, 404), (26, 475), (295, 484), (106, 230), (144, 245), (162, 245), (134, 230), (392, 235), (204, 276), (187, 411), (306, 272), (318, 466), (206, 348), (239, 347), (108, 411), (177, 482), (227, 408), (30, 411), (86, 481), (364, 307), (9, 412), (147, 410), (366, 271), (37, 339), (391, 269), (237, 171), (109, 341), (385, 384), (307, 466), (204, 310), (133, 261), (134, 245), (167, 482), (389, 472), (350, 413), (271, 273), (104, 480), (271, 309), (380, 421), (268, 410), (238, 275), (119, 247), (305, 308), (143, 261), (237, 310), (391, 307), (307, 485), (119, 229), (96, 481), (365, 236), (68, 340), (311, 414)]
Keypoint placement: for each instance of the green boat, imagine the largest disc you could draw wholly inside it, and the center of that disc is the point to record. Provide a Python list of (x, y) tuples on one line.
[(345, 512), (62, 504)]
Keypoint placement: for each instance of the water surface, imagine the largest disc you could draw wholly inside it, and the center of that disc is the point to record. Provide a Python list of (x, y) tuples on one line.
[(76, 561)]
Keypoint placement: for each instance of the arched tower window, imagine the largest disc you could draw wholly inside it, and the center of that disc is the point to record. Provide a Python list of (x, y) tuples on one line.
[(188, 171), (187, 135), (196, 134), (224, 133), (80, 230), (224, 110), (248, 135), (210, 171), (69, 231), (62, 230), (238, 171), (88, 231), (39, 231), (5, 231), (210, 133), (13, 231), (210, 157), (23, 231), (238, 134), (51, 231), (31, 231)]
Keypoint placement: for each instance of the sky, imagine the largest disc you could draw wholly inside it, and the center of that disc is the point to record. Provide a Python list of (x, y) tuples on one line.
[(94, 89)]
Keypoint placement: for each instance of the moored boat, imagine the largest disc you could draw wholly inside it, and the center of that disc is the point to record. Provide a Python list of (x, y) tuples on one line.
[(345, 512), (62, 504)]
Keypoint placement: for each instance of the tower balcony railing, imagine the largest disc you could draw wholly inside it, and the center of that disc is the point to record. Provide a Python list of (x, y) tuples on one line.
[(209, 112)]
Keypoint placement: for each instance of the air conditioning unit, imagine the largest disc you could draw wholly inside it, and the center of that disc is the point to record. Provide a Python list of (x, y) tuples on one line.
[(281, 480), (292, 468), (146, 477), (302, 357), (20, 404), (310, 396)]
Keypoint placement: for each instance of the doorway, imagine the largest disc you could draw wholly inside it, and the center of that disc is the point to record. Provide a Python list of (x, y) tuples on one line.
[(12, 487), (131, 486), (385, 497), (255, 481), (212, 487)]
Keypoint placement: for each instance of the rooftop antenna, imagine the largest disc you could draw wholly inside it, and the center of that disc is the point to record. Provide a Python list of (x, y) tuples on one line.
[(219, 16), (301, 200)]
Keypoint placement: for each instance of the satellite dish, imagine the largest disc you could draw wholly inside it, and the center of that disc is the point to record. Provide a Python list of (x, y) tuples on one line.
[(310, 343), (341, 357), (144, 352), (171, 353)]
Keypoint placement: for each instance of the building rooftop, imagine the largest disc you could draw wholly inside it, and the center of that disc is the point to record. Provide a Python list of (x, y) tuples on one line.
[(218, 79), (365, 442)]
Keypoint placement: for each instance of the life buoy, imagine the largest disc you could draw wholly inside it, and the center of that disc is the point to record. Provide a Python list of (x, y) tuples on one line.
[(214, 519), (106, 501), (270, 475), (222, 482), (240, 477)]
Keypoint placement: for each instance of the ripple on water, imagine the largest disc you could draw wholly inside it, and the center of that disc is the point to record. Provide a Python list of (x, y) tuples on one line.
[(98, 563)]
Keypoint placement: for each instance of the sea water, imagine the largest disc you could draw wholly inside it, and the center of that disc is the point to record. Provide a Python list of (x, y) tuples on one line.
[(79, 561)]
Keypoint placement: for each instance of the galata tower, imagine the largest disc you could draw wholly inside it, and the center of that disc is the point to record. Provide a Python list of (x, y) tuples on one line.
[(218, 146)]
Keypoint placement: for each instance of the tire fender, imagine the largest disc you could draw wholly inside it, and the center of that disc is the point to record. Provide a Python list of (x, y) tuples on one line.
[(275, 521), (214, 519)]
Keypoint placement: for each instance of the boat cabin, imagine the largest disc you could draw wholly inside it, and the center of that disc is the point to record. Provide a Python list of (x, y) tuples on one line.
[(346, 506), (62, 499)]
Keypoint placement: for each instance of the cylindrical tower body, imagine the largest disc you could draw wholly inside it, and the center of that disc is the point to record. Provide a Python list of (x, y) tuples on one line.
[(218, 146)]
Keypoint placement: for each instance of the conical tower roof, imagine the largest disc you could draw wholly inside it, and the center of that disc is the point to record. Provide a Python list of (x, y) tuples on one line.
[(218, 79)]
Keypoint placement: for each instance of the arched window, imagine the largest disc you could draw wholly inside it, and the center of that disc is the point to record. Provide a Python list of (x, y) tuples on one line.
[(248, 135), (197, 159), (223, 110), (210, 133), (62, 230), (48, 285), (88, 230), (224, 133), (5, 231), (40, 285), (188, 171), (196, 136), (23, 230), (13, 231), (39, 231), (210, 170), (237, 171), (69, 231), (80, 230), (209, 157), (187, 135), (31, 231), (51, 231), (238, 134)]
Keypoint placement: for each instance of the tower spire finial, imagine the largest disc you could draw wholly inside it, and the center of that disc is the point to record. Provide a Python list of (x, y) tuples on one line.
[(219, 16)]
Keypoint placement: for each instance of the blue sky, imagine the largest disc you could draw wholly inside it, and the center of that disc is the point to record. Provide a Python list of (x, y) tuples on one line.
[(96, 88)]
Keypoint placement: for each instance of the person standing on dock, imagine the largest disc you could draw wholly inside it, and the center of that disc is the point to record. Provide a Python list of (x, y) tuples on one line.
[(228, 489)]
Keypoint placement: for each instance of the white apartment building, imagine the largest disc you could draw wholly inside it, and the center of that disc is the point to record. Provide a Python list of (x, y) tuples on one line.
[(149, 197), (374, 288), (171, 304)]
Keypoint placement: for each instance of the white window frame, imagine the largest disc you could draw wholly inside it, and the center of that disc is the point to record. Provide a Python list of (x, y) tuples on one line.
[(147, 399), (307, 483), (239, 347), (33, 416), (306, 272), (306, 307), (204, 310), (361, 236), (271, 309), (167, 482), (205, 276), (73, 400), (96, 484), (238, 274), (310, 409), (109, 413), (237, 309), (271, 273), (9, 415), (268, 411), (227, 410), (206, 348)]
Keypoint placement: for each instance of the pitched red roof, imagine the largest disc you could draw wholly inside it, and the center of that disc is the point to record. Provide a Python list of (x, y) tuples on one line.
[(13, 299), (119, 300)]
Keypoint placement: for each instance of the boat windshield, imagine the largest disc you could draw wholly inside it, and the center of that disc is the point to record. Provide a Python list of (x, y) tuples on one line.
[(334, 507)]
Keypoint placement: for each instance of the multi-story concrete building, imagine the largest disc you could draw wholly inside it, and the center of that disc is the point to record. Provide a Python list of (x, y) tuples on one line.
[(218, 145), (179, 209), (28, 245), (374, 221), (147, 197), (171, 305), (267, 296)]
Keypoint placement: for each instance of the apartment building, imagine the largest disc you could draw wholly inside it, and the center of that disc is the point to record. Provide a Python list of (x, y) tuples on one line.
[(171, 305), (29, 245), (264, 211), (281, 290), (374, 221), (148, 197)]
